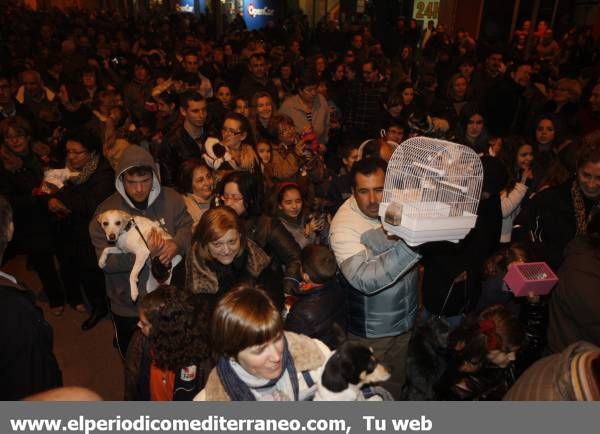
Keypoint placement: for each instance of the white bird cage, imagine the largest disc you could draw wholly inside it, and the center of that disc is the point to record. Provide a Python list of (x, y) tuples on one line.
[(431, 193)]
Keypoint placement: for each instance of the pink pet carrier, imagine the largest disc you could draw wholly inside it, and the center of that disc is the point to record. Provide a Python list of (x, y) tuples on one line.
[(530, 277)]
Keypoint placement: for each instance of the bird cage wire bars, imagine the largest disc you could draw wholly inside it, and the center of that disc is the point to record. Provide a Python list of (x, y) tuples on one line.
[(433, 179)]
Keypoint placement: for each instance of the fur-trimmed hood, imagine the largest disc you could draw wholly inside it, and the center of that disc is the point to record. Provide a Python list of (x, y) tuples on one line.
[(201, 279)]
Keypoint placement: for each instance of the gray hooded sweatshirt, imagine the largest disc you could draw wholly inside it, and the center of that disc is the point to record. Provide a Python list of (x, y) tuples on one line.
[(164, 205)]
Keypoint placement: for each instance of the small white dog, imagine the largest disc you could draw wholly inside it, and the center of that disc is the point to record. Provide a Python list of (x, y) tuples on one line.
[(57, 177), (120, 228)]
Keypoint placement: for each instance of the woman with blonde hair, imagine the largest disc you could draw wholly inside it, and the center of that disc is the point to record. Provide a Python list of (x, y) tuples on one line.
[(222, 256)]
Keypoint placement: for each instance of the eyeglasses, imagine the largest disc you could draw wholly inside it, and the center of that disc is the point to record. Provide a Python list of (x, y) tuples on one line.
[(70, 152), (231, 131), (234, 197), (15, 137), (286, 130), (310, 89)]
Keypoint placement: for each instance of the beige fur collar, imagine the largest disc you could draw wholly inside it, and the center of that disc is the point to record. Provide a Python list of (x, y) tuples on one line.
[(305, 352), (200, 279)]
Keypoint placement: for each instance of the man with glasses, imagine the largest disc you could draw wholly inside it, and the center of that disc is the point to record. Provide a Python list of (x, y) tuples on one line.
[(364, 104), (186, 141), (139, 193)]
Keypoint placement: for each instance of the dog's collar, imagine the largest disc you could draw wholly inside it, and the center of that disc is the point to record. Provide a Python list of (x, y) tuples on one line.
[(129, 225)]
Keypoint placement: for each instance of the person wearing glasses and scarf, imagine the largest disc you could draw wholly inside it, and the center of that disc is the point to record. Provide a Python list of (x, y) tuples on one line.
[(73, 206), (243, 192)]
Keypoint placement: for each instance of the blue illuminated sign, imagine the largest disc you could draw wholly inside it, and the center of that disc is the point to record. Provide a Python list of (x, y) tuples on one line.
[(257, 13)]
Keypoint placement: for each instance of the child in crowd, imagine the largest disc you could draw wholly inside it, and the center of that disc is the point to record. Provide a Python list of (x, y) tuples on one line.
[(320, 298), (481, 357), (396, 130), (168, 358), (341, 185), (531, 311), (264, 150), (306, 227)]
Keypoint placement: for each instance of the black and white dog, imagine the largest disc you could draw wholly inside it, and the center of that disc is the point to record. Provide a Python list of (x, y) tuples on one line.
[(347, 370)]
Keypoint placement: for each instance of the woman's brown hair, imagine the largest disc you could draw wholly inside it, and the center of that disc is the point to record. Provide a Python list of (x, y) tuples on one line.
[(17, 124), (244, 317), (214, 224)]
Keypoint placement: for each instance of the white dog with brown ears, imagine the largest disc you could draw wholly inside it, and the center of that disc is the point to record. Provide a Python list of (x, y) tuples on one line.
[(124, 229)]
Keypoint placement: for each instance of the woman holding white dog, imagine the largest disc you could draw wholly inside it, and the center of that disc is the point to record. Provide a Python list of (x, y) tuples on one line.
[(257, 360), (73, 206)]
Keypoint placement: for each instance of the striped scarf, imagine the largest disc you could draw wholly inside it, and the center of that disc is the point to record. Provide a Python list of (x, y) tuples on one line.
[(87, 170), (238, 390)]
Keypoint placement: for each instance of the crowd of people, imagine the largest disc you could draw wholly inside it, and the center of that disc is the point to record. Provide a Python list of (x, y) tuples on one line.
[(263, 156)]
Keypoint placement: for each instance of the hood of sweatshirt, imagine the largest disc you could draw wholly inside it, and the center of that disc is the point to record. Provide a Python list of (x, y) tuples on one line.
[(136, 156)]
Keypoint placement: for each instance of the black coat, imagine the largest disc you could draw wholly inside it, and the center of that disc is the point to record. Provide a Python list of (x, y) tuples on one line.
[(83, 199), (552, 222), (445, 261), (249, 86), (177, 147), (28, 364), (33, 223), (279, 244), (315, 313)]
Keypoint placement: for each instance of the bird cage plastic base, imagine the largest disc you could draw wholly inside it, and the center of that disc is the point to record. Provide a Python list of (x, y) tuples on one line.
[(530, 277), (426, 222)]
